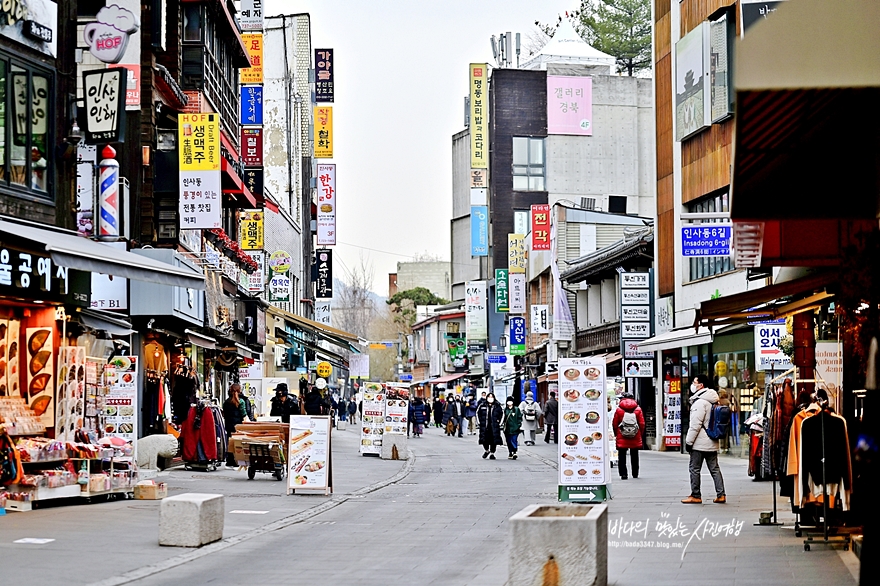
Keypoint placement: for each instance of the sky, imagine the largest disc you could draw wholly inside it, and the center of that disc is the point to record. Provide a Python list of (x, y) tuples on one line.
[(401, 78)]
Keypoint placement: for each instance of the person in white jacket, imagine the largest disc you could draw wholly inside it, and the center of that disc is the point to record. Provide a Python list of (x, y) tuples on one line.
[(698, 443), (531, 411)]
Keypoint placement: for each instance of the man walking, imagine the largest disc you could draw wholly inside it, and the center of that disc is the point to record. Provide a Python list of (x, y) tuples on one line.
[(698, 443), (551, 416)]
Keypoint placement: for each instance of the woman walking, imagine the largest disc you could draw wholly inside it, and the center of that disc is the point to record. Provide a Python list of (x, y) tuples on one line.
[(628, 425), (489, 415), (512, 426), (419, 416), (438, 410)]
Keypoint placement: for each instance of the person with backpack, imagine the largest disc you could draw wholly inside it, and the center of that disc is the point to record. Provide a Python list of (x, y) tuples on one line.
[(511, 425), (530, 413), (628, 425), (707, 425)]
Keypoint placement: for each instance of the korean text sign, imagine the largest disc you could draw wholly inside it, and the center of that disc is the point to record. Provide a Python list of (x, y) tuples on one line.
[(254, 45), (478, 123), (323, 132), (479, 231), (476, 320), (516, 253), (502, 291), (252, 147), (251, 229), (324, 282), (251, 15), (541, 227), (199, 142), (201, 199), (326, 205), (706, 240), (518, 336), (583, 455), (251, 104), (570, 105), (104, 93), (324, 75)]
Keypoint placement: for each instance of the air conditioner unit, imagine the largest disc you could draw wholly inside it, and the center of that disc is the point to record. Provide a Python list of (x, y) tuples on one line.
[(588, 203)]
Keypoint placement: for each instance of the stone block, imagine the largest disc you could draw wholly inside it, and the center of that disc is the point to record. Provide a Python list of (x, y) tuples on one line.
[(560, 544), (393, 445), (191, 519)]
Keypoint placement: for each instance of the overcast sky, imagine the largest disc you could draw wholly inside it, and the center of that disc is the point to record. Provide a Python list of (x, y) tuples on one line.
[(401, 77)]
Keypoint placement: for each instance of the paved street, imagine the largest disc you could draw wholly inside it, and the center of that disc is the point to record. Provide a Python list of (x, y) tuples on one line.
[(442, 524)]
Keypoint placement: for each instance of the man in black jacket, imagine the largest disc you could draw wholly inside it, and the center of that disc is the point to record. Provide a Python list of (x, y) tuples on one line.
[(283, 405), (551, 418)]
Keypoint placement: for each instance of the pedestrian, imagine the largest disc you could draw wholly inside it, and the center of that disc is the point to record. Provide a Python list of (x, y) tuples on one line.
[(489, 414), (248, 406), (343, 409), (314, 402), (234, 413), (628, 425), (428, 419), (724, 442), (531, 412), (551, 416), (470, 413), (439, 412), (419, 416), (282, 405), (410, 416), (352, 411), (511, 424), (699, 445), (459, 415)]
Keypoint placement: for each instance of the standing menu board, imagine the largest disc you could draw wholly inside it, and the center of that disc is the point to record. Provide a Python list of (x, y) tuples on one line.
[(373, 424), (120, 404), (583, 426), (308, 454), (396, 409)]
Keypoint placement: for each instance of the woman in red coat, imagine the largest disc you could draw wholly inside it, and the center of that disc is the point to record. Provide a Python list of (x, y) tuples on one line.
[(628, 425)]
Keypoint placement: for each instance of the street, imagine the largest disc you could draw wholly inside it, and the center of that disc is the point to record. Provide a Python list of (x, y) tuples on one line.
[(442, 522)]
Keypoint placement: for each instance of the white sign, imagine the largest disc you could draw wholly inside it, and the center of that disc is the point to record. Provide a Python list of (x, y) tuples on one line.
[(540, 322), (253, 392), (517, 285), (631, 350), (326, 220), (768, 356), (251, 15), (634, 281), (478, 196), (257, 279), (250, 371), (201, 200), (635, 330), (107, 292), (476, 320), (635, 313), (829, 368), (664, 317), (373, 422), (322, 312), (309, 453), (396, 411), (583, 425), (635, 297), (359, 366), (279, 287), (639, 368)]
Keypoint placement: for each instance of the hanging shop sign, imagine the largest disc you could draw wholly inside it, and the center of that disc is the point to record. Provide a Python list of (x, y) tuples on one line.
[(324, 268), (706, 240), (253, 180), (323, 313), (768, 356), (86, 157), (517, 282), (692, 112), (323, 132), (639, 368), (326, 219), (251, 104), (502, 291), (250, 17), (373, 424), (251, 146), (200, 200), (324, 369), (253, 42), (104, 92), (279, 287), (516, 253), (479, 179), (476, 319), (115, 38), (199, 136), (478, 115), (479, 231), (518, 336), (540, 319), (250, 227), (121, 405), (359, 366), (583, 453), (324, 75), (280, 261), (479, 196), (201, 203), (631, 350), (570, 105), (257, 280), (541, 227), (308, 454), (636, 322), (33, 23), (672, 413)]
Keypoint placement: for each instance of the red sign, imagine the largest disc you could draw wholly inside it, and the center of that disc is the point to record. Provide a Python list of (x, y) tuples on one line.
[(541, 227), (252, 147)]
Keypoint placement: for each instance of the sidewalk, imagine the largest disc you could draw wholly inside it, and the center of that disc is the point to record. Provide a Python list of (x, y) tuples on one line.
[(122, 535)]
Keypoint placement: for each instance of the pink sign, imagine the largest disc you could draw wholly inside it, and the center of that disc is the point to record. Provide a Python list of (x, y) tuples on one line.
[(570, 105)]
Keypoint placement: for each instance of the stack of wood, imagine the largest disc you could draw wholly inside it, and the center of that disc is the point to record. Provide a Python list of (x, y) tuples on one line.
[(264, 432)]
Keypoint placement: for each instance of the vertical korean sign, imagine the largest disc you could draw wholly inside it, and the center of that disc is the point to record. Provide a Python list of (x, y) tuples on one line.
[(251, 104), (252, 147), (200, 195), (326, 205), (324, 282), (541, 227), (251, 15), (517, 336), (479, 231), (636, 321), (250, 229), (324, 75), (570, 105), (502, 291), (323, 132), (254, 44), (476, 321), (583, 453), (478, 126)]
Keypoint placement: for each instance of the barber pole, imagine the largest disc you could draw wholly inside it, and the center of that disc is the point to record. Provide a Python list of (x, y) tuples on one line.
[(109, 197)]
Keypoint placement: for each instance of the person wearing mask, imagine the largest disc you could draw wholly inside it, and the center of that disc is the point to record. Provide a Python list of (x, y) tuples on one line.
[(699, 445), (314, 402), (249, 407), (511, 424), (470, 413), (352, 411), (489, 415), (439, 410), (628, 425), (234, 413), (459, 415), (531, 411), (428, 419), (551, 416), (282, 405), (419, 416)]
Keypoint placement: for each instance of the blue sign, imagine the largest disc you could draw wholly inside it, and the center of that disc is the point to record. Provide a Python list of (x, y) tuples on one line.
[(517, 330), (405, 377), (251, 104), (768, 322), (496, 358), (706, 240), (479, 231)]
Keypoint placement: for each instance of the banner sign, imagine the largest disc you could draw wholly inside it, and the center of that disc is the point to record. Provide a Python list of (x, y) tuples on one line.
[(457, 350), (324, 75), (253, 180), (322, 312), (253, 42), (502, 291), (478, 124), (672, 413), (396, 411), (516, 253), (323, 132), (251, 104), (479, 179), (359, 366), (250, 17), (518, 336), (517, 282), (252, 146), (308, 454), (257, 279), (476, 320), (540, 319), (570, 105), (326, 205), (706, 240), (373, 423), (324, 282), (636, 322), (768, 356), (279, 287), (541, 227), (199, 142), (104, 91), (250, 229), (479, 231)]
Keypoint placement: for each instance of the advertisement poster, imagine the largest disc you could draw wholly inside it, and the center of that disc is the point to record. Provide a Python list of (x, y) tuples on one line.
[(359, 366), (518, 336), (120, 405), (479, 83), (200, 196), (691, 104), (40, 373), (326, 205), (323, 137), (308, 453), (373, 424), (768, 356), (324, 281), (583, 408), (396, 411), (640, 368), (829, 368), (257, 279), (672, 413), (570, 105), (502, 291), (254, 44), (540, 319), (71, 392), (541, 227), (476, 320)]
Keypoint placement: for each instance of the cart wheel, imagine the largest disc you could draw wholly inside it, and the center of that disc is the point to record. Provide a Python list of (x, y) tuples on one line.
[(798, 534), (806, 547), (251, 473)]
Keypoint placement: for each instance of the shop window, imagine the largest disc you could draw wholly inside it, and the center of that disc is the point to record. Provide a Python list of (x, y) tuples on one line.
[(528, 164), (704, 267), (25, 131)]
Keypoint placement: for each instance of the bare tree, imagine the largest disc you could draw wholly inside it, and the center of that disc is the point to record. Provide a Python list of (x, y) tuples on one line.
[(355, 308)]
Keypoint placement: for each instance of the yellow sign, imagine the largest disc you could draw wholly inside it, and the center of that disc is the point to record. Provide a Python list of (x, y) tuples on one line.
[(516, 253), (379, 347), (254, 45), (199, 142), (324, 369), (250, 229), (323, 132), (479, 112)]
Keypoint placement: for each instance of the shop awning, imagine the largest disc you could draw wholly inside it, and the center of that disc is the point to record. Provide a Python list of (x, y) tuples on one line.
[(99, 320), (200, 340), (612, 357), (423, 382), (75, 252), (448, 378), (549, 377), (678, 338), (336, 337)]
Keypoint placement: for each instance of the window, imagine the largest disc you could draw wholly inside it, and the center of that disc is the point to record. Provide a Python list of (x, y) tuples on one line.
[(703, 267), (528, 164), (25, 112)]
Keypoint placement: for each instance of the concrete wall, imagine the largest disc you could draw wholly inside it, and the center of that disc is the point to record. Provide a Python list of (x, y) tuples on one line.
[(463, 267), (434, 276)]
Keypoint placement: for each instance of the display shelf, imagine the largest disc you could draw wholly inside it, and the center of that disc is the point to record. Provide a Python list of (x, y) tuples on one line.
[(43, 494), (55, 461)]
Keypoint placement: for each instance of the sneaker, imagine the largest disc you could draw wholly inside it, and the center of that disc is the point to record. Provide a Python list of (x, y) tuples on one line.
[(510, 456), (624, 477), (692, 500), (485, 455), (491, 456), (720, 500), (514, 456)]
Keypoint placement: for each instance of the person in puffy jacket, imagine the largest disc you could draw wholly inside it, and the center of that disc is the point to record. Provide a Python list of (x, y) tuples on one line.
[(698, 443), (418, 416), (623, 434), (489, 414)]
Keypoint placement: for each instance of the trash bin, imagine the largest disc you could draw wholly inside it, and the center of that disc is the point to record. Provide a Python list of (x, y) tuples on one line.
[(560, 544)]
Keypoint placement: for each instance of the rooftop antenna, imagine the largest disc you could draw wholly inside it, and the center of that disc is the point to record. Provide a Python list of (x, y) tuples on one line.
[(517, 49), (495, 49)]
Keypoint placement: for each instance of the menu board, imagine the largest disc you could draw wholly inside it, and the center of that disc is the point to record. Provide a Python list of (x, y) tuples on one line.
[(120, 404), (672, 413), (308, 454), (396, 411), (583, 427), (71, 392), (373, 424)]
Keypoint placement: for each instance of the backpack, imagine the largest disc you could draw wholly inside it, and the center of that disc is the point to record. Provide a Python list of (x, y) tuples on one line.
[(530, 412), (719, 422), (629, 425)]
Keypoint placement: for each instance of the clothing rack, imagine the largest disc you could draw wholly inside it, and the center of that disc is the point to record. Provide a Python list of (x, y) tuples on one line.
[(774, 379)]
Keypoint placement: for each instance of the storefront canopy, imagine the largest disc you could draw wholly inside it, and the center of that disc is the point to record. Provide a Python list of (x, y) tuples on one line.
[(448, 378), (336, 337), (75, 252), (201, 340), (678, 338)]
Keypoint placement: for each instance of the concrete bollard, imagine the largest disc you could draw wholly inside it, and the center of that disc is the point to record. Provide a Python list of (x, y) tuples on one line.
[(559, 545), (191, 519), (393, 447)]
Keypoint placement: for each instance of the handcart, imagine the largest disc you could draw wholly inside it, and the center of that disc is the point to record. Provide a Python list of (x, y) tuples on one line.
[(265, 457)]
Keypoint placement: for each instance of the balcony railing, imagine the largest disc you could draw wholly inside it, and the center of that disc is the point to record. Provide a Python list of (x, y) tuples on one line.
[(598, 338)]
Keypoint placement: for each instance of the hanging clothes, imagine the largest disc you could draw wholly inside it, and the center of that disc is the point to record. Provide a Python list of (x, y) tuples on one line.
[(199, 435), (790, 487), (825, 464)]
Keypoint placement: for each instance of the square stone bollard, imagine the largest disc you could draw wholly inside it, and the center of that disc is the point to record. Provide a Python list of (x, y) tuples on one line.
[(559, 545), (191, 519), (393, 447)]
